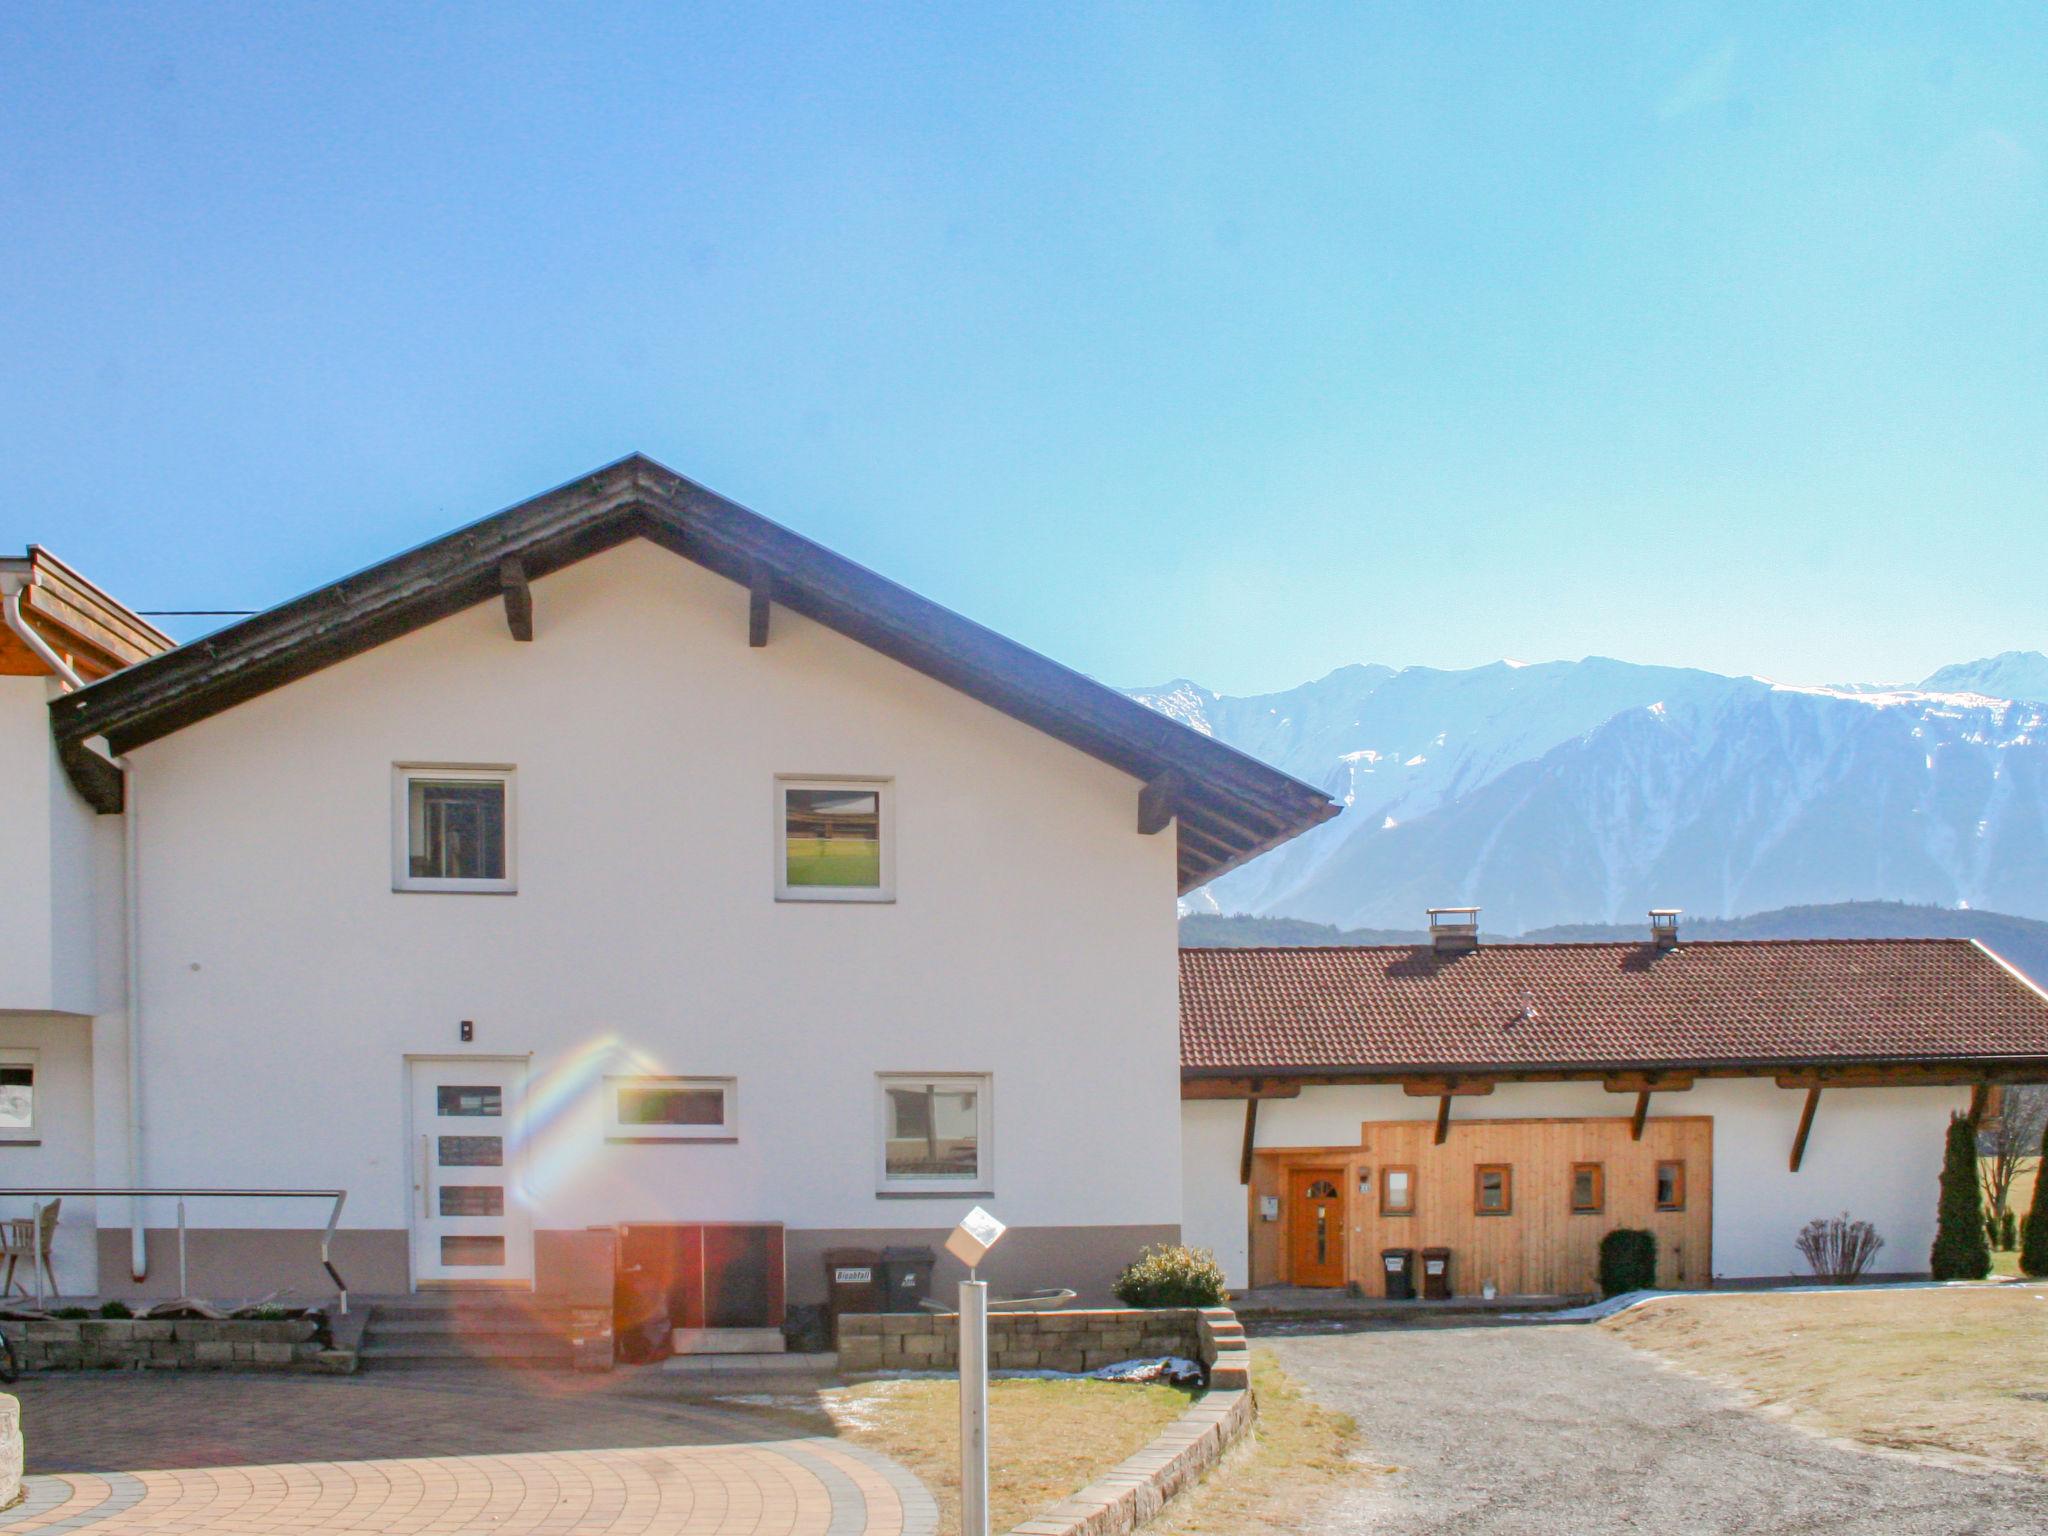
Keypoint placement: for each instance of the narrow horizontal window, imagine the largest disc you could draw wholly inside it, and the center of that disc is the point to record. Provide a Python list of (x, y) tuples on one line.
[(935, 1133), (834, 840), (453, 829), (670, 1109)]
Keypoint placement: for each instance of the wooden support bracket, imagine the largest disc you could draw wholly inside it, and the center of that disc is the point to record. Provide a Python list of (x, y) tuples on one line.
[(760, 593), (1635, 1124), (1805, 1126), (1980, 1103), (1251, 1133), (1155, 803), (1443, 1119), (518, 598)]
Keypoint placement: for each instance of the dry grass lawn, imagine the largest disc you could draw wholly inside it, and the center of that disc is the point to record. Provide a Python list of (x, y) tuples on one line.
[(1956, 1371), (1046, 1438)]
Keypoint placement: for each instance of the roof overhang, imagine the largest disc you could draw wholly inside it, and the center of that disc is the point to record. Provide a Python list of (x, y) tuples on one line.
[(1226, 807), (1831, 1071)]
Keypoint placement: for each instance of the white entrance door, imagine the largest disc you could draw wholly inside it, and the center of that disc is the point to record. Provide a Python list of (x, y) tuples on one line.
[(469, 1219)]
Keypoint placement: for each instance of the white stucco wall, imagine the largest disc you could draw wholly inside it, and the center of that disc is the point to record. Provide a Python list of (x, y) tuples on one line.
[(1874, 1152), (285, 982)]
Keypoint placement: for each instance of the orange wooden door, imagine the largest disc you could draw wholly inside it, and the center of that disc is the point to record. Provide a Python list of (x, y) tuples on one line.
[(1315, 1225)]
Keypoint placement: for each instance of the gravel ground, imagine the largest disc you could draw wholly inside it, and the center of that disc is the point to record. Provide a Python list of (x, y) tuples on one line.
[(1530, 1430)]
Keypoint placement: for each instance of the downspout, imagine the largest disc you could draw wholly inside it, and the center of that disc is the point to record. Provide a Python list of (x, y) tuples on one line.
[(67, 675)]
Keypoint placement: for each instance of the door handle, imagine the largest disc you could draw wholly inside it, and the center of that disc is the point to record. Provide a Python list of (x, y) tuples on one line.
[(426, 1176)]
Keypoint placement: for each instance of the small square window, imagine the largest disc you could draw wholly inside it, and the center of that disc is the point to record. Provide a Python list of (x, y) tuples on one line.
[(833, 841), (1671, 1186), (17, 1095), (1397, 1191), (1589, 1188), (452, 829), (1493, 1189), (935, 1135), (671, 1109)]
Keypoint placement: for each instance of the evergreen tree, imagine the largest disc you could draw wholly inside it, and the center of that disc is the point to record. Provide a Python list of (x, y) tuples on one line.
[(1960, 1251), (2034, 1230)]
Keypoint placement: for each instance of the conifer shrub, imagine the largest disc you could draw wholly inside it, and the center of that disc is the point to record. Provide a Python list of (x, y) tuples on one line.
[(1171, 1275), (1960, 1251), (1628, 1261), (2034, 1230), (116, 1309)]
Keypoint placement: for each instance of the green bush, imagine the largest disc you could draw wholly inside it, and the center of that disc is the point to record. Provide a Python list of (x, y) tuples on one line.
[(1628, 1261), (1960, 1251), (1172, 1275), (116, 1309), (2009, 1233), (69, 1314), (2034, 1230)]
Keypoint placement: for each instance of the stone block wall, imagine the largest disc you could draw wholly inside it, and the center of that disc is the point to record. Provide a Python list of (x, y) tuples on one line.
[(1021, 1341), (173, 1344)]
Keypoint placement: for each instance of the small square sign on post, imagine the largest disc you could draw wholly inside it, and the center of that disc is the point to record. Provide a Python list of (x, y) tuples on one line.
[(970, 1242)]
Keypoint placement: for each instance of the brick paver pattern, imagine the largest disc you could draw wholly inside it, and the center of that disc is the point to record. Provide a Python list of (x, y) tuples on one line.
[(515, 1454)]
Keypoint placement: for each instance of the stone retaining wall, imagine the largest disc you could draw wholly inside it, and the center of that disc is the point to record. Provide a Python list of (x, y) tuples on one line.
[(174, 1344), (1017, 1341)]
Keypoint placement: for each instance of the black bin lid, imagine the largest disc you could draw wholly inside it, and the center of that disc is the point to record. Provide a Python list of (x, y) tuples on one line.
[(909, 1255)]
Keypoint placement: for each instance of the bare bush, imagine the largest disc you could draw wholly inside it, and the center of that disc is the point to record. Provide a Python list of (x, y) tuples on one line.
[(1839, 1250), (2010, 1143)]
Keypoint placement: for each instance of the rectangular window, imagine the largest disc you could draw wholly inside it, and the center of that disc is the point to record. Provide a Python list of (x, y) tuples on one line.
[(17, 1094), (834, 840), (452, 829), (1589, 1187), (1671, 1186), (1397, 1191), (1493, 1189), (935, 1135), (671, 1109)]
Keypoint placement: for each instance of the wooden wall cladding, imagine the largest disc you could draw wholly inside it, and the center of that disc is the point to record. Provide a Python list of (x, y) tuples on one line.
[(1541, 1247)]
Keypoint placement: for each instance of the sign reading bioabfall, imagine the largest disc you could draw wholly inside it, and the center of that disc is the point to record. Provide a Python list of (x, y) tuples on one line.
[(847, 1275)]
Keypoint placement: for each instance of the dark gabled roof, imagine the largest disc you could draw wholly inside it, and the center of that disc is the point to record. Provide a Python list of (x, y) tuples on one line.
[(1513, 1007), (1228, 807)]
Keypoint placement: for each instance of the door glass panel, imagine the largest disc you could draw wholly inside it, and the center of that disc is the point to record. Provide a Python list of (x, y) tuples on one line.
[(483, 1099), (456, 1251), (1322, 1234), (472, 1151), (1322, 1189), (472, 1200)]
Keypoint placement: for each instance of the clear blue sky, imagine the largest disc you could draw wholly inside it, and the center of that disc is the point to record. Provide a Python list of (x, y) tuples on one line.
[(1221, 341)]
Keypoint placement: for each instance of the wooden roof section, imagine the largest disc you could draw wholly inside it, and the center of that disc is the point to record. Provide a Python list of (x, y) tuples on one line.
[(91, 630), (1226, 807), (1758, 1007)]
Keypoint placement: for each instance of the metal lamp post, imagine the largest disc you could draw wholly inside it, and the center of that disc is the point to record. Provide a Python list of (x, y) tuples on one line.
[(970, 1243)]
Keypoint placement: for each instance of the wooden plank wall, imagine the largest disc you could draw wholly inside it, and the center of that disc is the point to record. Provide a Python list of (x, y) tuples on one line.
[(1542, 1247)]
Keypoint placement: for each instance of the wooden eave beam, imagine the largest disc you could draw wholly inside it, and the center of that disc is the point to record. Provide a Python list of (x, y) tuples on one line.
[(102, 783), (1805, 1126), (518, 597), (1156, 803), (1196, 1088), (1446, 1087), (760, 597), (1647, 1082)]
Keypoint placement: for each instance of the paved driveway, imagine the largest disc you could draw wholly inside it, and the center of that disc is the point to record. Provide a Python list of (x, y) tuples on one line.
[(1526, 1431), (438, 1454)]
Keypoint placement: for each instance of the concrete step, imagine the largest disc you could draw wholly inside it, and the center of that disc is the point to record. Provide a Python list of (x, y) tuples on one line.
[(764, 1364), (727, 1341), (468, 1349), (382, 1327)]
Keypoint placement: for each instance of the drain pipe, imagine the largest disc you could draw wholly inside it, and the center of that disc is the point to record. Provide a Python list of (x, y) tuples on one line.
[(131, 917)]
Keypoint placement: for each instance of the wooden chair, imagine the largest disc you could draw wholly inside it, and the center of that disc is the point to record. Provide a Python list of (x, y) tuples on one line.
[(30, 1237)]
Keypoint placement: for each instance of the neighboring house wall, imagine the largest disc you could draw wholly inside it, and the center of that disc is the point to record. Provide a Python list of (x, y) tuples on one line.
[(285, 982), (1873, 1152), (47, 908), (60, 1151)]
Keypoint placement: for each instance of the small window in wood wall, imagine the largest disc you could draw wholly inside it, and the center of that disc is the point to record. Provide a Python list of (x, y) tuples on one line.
[(1397, 1191), (1493, 1189), (1589, 1188), (1671, 1186)]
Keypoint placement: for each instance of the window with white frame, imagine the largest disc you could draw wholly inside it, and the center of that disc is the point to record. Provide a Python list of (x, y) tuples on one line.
[(671, 1109), (17, 1094), (834, 840), (452, 829), (935, 1134)]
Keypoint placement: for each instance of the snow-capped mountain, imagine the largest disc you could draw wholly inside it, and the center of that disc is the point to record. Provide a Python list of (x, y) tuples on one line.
[(1587, 791)]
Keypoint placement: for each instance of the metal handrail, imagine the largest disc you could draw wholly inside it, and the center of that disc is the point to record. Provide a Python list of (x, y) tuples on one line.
[(338, 1196)]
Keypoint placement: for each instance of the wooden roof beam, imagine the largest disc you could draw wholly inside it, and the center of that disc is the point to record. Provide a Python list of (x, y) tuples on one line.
[(1805, 1126), (1156, 803), (760, 596), (518, 597)]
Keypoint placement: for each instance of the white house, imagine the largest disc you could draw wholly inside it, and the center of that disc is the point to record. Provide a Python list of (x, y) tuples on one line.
[(1513, 1103), (620, 861)]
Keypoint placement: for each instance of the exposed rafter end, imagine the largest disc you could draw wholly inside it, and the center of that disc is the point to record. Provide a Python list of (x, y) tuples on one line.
[(1251, 1136), (1155, 803), (518, 598), (760, 594), (101, 782), (1805, 1126)]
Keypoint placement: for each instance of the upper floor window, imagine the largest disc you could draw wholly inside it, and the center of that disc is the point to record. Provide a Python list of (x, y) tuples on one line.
[(17, 1094), (835, 840), (452, 829)]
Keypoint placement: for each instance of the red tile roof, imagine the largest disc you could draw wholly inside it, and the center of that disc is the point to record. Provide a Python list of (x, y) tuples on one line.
[(1790, 1001)]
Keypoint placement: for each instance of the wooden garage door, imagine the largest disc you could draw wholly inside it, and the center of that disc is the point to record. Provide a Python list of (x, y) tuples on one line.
[(1500, 1195)]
